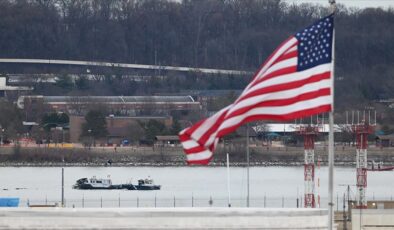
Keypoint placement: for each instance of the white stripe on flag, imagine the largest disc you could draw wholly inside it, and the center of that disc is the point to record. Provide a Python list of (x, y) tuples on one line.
[(190, 144), (203, 155)]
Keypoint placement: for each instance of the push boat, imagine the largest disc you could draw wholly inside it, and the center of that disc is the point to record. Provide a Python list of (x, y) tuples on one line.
[(98, 183), (147, 184)]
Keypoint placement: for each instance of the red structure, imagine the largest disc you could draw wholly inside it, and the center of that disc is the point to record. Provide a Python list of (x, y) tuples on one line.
[(309, 134), (362, 131)]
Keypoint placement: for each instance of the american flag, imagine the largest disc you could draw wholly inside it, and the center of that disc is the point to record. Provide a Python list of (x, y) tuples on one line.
[(294, 82)]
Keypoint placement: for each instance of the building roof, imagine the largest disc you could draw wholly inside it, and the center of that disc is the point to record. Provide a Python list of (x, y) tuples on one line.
[(114, 100), (211, 93), (119, 99), (389, 137)]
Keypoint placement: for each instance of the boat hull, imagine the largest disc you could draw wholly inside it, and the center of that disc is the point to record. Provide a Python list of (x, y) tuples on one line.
[(112, 187), (150, 187)]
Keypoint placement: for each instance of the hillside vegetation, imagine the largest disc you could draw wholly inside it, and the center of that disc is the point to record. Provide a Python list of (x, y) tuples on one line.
[(228, 34)]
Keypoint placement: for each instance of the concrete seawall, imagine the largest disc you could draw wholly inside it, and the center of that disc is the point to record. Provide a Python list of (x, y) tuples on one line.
[(162, 218)]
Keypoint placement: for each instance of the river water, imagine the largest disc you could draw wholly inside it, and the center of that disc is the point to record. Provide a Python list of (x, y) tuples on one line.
[(184, 186)]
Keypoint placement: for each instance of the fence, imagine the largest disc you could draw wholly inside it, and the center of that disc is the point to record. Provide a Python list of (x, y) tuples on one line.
[(263, 202)]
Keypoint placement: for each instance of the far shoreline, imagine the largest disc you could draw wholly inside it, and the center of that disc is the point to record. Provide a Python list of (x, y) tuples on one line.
[(164, 165), (174, 157)]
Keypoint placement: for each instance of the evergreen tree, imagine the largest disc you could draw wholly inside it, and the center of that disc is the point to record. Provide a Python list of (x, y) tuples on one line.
[(95, 125)]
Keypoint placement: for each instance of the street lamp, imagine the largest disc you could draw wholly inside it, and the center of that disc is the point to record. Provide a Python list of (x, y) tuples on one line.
[(90, 137), (2, 136)]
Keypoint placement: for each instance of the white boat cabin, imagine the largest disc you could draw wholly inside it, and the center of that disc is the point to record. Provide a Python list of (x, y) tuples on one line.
[(100, 182)]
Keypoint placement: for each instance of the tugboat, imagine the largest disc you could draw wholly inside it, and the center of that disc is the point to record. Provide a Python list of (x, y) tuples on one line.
[(147, 184), (94, 183)]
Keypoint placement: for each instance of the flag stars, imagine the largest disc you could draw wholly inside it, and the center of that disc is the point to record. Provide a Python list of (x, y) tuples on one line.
[(315, 44)]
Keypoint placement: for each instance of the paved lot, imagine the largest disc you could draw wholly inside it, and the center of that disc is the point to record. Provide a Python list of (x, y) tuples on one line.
[(162, 218)]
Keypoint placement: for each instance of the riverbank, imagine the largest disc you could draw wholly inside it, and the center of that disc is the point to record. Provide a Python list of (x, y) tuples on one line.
[(174, 156)]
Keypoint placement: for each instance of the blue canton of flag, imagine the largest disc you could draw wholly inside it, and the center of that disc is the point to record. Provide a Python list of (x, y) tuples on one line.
[(314, 44)]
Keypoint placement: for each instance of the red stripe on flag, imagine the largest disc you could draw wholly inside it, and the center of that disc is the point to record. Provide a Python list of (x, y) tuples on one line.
[(199, 162), (195, 149)]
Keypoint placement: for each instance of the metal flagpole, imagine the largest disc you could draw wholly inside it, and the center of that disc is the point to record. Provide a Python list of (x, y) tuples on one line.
[(331, 138), (228, 181), (63, 182), (247, 164)]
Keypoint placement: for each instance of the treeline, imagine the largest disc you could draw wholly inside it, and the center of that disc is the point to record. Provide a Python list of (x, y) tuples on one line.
[(228, 34)]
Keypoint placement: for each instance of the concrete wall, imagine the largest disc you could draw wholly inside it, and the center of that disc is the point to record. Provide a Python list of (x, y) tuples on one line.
[(162, 218), (371, 219)]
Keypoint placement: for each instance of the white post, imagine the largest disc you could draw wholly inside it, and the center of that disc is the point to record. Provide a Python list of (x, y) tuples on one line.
[(228, 181), (352, 117), (375, 117), (347, 122)]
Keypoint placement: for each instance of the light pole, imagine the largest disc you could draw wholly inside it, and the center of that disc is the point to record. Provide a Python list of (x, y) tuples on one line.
[(2, 136), (90, 138), (63, 182)]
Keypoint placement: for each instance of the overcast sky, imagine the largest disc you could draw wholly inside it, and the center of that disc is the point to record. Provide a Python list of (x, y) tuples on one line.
[(351, 3)]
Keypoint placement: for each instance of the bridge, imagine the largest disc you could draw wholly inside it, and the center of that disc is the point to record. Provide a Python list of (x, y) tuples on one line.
[(121, 65)]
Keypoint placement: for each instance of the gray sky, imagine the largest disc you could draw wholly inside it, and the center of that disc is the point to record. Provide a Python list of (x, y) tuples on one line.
[(351, 3)]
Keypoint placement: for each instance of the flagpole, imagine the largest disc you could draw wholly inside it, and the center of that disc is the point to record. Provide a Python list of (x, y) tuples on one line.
[(331, 137), (247, 164), (228, 181)]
